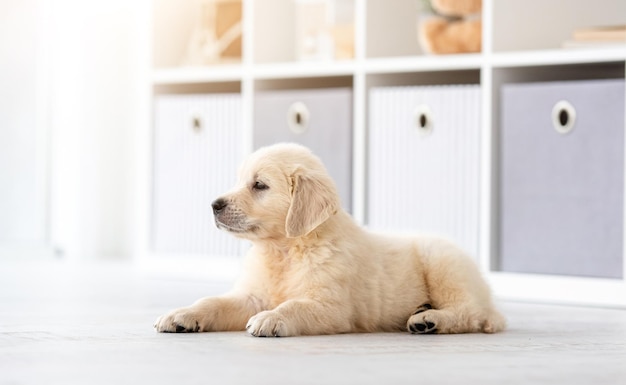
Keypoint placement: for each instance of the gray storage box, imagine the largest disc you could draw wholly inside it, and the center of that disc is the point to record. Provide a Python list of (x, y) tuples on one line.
[(562, 178), (320, 119)]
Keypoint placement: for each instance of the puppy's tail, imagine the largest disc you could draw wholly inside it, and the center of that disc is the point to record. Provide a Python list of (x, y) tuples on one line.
[(495, 322)]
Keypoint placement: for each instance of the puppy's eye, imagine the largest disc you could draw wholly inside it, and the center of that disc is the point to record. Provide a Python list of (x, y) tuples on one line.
[(260, 186)]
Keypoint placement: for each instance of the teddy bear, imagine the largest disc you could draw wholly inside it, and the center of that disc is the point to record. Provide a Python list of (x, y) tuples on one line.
[(455, 27)]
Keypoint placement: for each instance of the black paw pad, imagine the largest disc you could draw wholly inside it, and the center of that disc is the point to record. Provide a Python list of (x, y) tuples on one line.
[(423, 308), (182, 329), (423, 328)]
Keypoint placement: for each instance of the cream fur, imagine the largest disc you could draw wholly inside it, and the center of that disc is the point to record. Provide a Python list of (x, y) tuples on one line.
[(312, 270)]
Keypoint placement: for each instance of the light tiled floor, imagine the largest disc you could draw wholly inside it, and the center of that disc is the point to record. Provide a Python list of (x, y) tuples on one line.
[(93, 325)]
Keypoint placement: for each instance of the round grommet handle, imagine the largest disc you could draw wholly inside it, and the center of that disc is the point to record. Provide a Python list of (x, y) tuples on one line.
[(298, 118), (563, 117), (196, 123), (423, 119)]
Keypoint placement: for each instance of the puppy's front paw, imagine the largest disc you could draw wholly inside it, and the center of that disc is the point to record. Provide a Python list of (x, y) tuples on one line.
[(268, 324), (182, 320)]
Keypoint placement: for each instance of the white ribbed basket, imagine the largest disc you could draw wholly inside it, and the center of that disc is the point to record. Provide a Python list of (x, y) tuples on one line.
[(425, 179), (197, 149)]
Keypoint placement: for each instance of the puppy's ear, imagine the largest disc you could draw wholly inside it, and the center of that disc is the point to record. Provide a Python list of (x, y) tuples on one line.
[(313, 201)]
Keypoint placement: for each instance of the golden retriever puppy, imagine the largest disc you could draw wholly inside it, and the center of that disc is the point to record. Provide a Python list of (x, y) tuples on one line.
[(313, 270)]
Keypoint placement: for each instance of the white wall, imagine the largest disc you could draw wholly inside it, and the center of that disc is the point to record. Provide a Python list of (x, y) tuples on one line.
[(94, 55), (23, 149)]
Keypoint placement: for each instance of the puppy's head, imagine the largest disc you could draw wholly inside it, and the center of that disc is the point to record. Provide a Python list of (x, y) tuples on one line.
[(283, 191)]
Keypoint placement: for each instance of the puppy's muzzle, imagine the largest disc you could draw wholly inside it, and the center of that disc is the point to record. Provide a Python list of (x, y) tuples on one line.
[(219, 205), (230, 218)]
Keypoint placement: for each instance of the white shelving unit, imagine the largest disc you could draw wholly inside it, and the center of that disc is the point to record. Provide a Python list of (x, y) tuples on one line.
[(521, 42)]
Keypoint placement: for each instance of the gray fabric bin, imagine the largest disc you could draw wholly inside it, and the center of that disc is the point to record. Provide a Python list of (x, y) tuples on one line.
[(561, 178), (320, 119)]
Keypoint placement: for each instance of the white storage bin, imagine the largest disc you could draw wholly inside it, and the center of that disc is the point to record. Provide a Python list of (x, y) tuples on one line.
[(424, 161), (197, 149)]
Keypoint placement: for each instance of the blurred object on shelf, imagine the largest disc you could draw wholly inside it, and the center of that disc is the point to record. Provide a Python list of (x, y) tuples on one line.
[(597, 37), (343, 37), (439, 36), (452, 26), (216, 37), (324, 29), (457, 8)]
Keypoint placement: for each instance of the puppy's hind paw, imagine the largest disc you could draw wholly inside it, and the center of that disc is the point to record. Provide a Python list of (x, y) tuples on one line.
[(420, 322), (426, 327)]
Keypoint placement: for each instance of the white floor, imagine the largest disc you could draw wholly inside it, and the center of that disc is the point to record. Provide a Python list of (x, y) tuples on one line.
[(93, 325)]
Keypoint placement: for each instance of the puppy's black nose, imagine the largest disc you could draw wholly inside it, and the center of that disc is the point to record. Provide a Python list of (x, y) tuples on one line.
[(219, 205)]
